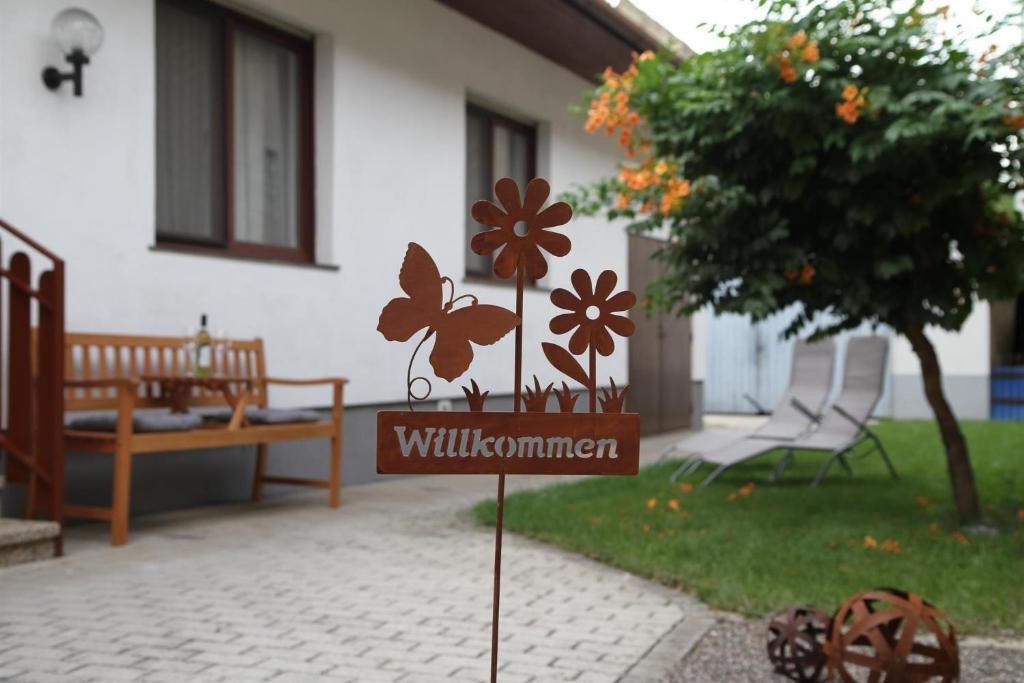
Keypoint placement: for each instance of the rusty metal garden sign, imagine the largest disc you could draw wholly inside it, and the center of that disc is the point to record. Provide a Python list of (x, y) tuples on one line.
[(517, 442)]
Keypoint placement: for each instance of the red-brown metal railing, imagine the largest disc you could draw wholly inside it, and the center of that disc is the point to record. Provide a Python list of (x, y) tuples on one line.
[(32, 403)]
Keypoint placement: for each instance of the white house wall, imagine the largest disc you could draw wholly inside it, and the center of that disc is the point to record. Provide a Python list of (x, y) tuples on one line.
[(78, 174), (965, 360)]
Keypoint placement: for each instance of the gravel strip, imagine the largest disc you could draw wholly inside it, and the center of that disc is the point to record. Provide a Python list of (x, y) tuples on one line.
[(733, 651)]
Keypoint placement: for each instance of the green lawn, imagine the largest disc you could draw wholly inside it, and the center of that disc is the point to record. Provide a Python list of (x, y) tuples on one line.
[(785, 543)]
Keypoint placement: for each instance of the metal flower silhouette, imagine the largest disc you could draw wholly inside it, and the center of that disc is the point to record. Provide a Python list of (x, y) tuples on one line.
[(592, 312), (526, 244)]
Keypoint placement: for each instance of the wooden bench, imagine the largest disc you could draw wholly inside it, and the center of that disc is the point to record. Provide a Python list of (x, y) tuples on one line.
[(107, 372)]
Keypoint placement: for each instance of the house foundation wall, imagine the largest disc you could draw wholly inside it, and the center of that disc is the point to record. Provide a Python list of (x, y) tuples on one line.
[(968, 394)]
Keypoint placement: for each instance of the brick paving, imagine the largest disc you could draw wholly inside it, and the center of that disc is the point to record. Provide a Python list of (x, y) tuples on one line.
[(394, 586)]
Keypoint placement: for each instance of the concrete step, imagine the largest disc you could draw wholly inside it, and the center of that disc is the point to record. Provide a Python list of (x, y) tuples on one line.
[(23, 540)]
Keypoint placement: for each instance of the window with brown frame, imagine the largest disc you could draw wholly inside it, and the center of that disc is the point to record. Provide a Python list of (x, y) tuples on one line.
[(234, 133), (496, 147)]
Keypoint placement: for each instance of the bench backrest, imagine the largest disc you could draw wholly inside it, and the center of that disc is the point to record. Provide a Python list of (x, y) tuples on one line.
[(102, 356)]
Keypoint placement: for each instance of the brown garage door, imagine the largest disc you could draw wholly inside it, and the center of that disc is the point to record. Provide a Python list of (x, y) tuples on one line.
[(659, 352)]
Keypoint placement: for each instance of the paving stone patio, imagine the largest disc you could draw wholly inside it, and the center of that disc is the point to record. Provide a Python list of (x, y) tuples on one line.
[(394, 586)]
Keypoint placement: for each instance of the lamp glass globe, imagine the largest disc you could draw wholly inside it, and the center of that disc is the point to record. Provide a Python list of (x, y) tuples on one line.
[(75, 29)]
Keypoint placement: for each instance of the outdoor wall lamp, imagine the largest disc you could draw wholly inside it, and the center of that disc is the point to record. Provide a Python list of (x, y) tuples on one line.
[(78, 35)]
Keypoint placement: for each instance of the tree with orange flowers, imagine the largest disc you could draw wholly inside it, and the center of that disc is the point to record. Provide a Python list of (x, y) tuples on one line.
[(849, 156)]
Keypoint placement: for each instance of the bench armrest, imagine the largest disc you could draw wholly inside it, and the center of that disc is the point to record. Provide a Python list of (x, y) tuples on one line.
[(338, 388), (305, 382)]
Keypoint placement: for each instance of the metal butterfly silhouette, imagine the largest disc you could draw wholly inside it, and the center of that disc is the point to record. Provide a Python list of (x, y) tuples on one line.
[(425, 308)]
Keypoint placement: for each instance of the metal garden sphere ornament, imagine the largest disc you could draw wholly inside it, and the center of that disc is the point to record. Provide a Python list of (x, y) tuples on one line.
[(795, 639), (891, 636)]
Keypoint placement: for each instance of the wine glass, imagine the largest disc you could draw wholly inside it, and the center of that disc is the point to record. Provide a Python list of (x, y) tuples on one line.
[(221, 351)]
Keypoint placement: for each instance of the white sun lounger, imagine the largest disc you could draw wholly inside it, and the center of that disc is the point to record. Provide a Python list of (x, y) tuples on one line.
[(839, 432), (810, 381)]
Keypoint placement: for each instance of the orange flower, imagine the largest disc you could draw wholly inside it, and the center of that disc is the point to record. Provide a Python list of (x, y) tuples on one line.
[(637, 179), (922, 501), (854, 102), (731, 497), (796, 40), (645, 55), (680, 187), (960, 538), (806, 275), (677, 190), (516, 247), (621, 101), (667, 203), (790, 273), (673, 504), (786, 70), (746, 489), (847, 111), (660, 168), (652, 503), (592, 332), (870, 543), (622, 201), (1020, 514), (810, 52), (624, 137), (596, 116), (891, 545), (1014, 121), (687, 487)]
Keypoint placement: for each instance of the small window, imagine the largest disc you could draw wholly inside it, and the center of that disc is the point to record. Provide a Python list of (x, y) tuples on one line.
[(496, 147), (234, 157)]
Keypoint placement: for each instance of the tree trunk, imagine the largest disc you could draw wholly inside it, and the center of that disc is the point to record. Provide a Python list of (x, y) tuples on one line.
[(958, 462)]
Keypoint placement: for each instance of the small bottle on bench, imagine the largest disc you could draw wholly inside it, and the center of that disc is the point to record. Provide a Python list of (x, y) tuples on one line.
[(203, 349)]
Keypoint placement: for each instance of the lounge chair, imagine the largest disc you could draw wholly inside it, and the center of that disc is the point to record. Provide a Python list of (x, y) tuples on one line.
[(839, 432), (810, 381)]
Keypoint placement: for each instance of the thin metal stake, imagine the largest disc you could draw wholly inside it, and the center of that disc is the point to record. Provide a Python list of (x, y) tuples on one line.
[(500, 515), (497, 579)]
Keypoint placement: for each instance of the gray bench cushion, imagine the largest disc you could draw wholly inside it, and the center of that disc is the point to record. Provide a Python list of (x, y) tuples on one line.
[(271, 416), (267, 416), (141, 422)]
